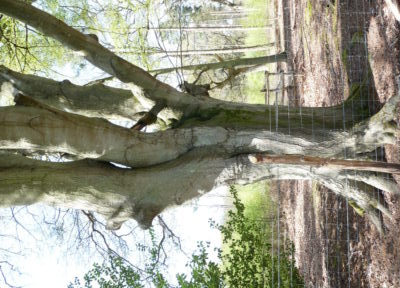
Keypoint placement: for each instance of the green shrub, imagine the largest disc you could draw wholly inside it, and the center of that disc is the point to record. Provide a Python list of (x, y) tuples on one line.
[(249, 262)]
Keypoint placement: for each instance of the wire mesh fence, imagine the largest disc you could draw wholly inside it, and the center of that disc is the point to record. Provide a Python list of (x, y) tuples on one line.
[(331, 48), (333, 54)]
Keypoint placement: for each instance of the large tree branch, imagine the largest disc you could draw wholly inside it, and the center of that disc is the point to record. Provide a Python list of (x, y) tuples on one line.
[(112, 103), (96, 53), (382, 182), (50, 130), (101, 101), (96, 100), (119, 194), (141, 194)]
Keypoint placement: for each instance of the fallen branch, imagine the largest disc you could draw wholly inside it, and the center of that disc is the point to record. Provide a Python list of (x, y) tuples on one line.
[(382, 167)]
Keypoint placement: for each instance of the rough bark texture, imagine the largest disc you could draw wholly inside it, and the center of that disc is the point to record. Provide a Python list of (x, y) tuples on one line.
[(120, 194)]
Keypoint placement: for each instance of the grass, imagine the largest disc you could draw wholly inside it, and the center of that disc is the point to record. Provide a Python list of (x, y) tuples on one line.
[(255, 198), (258, 16), (258, 206), (254, 82)]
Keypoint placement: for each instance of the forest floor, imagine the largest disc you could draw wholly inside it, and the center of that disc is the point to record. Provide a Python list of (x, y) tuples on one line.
[(336, 46)]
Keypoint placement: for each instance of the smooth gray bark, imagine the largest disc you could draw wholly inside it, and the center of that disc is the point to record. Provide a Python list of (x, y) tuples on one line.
[(51, 130), (141, 194), (96, 100), (102, 101)]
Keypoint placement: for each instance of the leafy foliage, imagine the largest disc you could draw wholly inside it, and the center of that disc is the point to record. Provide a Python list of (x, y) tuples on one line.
[(250, 262), (24, 49), (113, 274)]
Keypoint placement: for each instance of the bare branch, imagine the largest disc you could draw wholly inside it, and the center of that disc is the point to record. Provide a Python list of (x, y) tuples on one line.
[(175, 238), (4, 276)]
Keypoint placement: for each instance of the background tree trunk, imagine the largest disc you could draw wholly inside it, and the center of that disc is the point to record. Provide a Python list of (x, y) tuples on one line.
[(219, 28), (227, 50), (236, 64)]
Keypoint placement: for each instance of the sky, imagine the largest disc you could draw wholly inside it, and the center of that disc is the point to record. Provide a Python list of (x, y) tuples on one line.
[(47, 263)]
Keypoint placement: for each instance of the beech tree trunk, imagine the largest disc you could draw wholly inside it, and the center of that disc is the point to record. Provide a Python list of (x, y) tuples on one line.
[(214, 143), (31, 128), (142, 194)]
